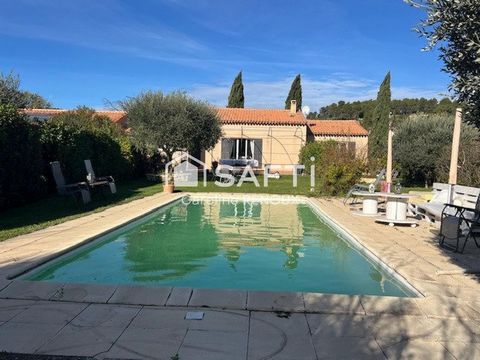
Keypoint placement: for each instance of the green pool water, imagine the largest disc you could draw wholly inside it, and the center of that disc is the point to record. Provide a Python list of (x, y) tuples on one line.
[(214, 244)]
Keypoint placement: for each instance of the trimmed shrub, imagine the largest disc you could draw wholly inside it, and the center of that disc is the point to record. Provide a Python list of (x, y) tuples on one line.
[(336, 167), (20, 159)]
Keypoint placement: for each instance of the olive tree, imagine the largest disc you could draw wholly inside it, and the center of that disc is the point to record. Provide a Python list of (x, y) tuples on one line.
[(419, 142), (10, 93), (454, 26), (171, 122)]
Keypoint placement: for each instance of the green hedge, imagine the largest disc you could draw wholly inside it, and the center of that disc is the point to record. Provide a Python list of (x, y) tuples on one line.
[(27, 147), (21, 177), (74, 136)]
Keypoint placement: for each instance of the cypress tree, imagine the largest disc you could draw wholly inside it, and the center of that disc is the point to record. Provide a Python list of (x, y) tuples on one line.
[(377, 143), (295, 93), (236, 99)]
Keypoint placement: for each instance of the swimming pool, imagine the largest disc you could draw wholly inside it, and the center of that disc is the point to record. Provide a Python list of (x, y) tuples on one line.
[(228, 245)]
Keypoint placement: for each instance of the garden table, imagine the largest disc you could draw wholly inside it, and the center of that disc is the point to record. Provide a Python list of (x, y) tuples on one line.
[(396, 209), (369, 203)]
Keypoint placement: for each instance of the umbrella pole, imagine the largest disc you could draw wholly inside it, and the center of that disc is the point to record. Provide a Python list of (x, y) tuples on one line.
[(452, 179), (388, 175)]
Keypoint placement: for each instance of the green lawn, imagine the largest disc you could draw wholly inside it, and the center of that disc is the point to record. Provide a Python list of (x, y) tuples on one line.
[(275, 186), (57, 209)]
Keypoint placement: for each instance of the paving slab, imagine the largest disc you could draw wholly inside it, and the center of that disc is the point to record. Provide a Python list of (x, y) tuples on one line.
[(337, 325), (222, 299), (106, 316), (137, 343), (179, 296), (389, 305), (155, 318), (26, 338), (35, 290), (279, 337), (466, 330), (447, 307), (390, 329), (140, 295), (418, 349), (91, 293), (46, 312), (347, 348), (9, 308), (462, 350), (221, 320), (213, 345), (82, 341), (332, 304), (275, 301)]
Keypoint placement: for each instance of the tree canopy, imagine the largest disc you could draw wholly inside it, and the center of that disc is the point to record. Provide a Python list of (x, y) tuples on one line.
[(454, 27), (236, 99), (363, 110), (295, 93), (10, 93), (171, 122)]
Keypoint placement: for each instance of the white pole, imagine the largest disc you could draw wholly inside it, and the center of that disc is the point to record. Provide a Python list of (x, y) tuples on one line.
[(389, 155), (452, 178)]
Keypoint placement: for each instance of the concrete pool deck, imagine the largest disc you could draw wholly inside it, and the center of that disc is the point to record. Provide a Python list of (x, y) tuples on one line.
[(135, 322)]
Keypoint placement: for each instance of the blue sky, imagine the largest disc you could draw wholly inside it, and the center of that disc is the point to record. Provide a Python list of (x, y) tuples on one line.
[(88, 52)]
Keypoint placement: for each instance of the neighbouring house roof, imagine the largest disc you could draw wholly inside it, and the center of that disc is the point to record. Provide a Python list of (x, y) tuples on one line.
[(337, 127), (260, 117), (115, 116)]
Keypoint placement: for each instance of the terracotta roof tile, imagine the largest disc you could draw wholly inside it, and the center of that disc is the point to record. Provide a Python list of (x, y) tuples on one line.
[(260, 116), (337, 127), (115, 116)]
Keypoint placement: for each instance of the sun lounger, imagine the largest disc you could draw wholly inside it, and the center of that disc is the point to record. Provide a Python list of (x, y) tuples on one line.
[(93, 181), (364, 187), (79, 191)]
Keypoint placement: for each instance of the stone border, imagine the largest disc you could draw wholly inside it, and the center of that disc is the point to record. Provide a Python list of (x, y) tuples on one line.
[(228, 299), (289, 302)]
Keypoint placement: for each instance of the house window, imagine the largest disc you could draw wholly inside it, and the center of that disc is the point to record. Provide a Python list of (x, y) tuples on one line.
[(348, 145), (236, 149), (242, 149)]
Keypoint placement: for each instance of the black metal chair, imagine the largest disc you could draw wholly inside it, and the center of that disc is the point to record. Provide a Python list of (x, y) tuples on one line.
[(457, 220)]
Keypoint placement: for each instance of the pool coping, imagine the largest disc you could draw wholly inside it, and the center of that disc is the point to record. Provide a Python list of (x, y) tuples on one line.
[(221, 299), (343, 233)]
